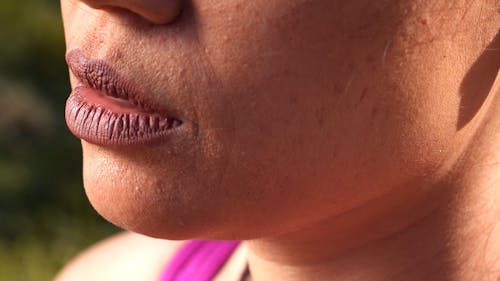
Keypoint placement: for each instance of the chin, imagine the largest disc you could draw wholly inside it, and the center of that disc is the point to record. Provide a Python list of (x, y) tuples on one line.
[(164, 194), (147, 191)]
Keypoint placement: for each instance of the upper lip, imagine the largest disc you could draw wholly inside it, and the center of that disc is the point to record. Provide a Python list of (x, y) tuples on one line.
[(101, 76)]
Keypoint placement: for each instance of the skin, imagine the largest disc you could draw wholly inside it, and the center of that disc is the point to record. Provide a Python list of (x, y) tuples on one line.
[(335, 137)]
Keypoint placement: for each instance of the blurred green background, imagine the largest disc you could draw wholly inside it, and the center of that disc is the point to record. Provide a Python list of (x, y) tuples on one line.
[(45, 218)]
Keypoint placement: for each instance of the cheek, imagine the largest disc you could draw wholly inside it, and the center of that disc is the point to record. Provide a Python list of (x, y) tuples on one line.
[(323, 112), (295, 124)]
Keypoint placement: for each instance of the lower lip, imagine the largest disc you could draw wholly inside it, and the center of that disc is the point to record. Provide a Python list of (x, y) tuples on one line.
[(105, 121)]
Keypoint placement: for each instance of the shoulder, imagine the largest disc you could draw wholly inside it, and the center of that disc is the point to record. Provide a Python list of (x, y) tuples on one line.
[(126, 256)]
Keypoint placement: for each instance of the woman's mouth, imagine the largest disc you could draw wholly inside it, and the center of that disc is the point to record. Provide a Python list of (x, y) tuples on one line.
[(107, 110)]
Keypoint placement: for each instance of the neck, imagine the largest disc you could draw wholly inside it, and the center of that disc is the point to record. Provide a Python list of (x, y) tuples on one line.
[(449, 233)]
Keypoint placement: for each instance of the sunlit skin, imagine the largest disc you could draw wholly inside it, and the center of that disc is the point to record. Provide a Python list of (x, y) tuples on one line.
[(343, 140)]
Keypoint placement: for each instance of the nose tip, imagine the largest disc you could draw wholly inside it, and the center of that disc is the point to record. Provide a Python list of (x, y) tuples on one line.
[(154, 11)]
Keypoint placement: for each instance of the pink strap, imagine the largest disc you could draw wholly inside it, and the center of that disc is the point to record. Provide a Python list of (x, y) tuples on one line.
[(199, 260)]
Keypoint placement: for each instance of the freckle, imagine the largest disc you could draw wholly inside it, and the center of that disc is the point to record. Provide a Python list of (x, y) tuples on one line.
[(374, 112), (363, 95), (423, 21), (293, 100), (182, 72), (321, 121)]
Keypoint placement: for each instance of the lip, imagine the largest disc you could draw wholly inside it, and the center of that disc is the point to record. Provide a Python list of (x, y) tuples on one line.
[(107, 110)]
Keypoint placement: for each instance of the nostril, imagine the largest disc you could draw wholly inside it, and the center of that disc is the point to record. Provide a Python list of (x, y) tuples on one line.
[(154, 11)]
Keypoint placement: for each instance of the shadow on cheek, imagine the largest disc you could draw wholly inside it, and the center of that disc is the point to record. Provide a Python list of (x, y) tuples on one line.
[(478, 81)]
